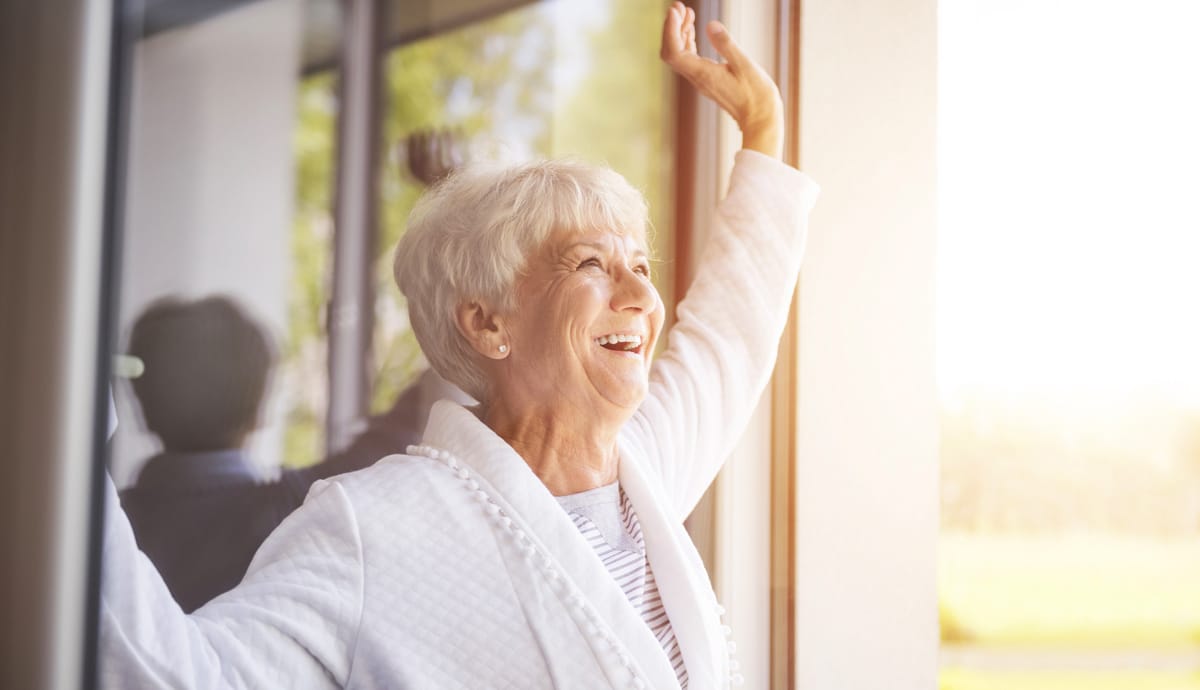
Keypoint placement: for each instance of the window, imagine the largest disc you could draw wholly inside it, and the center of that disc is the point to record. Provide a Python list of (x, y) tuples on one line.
[(304, 367), (1068, 376), (509, 82), (538, 80), (219, 203)]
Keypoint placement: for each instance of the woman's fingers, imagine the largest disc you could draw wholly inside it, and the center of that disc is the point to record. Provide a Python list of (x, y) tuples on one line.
[(679, 48), (689, 30), (676, 30), (738, 85)]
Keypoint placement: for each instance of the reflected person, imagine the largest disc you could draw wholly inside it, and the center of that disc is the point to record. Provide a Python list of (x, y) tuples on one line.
[(198, 509), (535, 540)]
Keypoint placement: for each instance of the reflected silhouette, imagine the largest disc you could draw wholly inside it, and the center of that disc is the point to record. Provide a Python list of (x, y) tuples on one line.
[(198, 509), (394, 430)]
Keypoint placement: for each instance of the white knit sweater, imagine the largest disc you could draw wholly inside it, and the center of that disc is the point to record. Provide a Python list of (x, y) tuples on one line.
[(453, 566)]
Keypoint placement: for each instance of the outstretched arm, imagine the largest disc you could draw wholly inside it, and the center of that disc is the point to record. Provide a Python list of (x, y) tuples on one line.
[(739, 85), (290, 623)]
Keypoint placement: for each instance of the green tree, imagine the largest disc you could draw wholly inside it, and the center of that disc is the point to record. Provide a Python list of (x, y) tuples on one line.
[(480, 81), (454, 81), (617, 114), (303, 351)]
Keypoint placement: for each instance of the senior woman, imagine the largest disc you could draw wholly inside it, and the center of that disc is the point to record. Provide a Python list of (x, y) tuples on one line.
[(536, 540)]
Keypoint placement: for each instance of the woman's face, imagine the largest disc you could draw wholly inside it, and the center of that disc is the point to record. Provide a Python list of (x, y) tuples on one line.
[(586, 322)]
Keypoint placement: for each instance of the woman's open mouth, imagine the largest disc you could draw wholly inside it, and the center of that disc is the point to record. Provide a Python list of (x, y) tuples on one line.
[(621, 342)]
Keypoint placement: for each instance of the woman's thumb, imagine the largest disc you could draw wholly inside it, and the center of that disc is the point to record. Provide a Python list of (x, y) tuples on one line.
[(721, 39)]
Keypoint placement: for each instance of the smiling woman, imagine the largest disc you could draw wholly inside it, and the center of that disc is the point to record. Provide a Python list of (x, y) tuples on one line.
[(591, 317), (480, 227), (523, 543), (538, 303)]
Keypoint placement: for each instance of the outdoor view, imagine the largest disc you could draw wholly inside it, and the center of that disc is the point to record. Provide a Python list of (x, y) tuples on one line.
[(1068, 345), (540, 80)]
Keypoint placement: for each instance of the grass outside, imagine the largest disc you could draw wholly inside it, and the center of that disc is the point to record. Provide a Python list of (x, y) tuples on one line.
[(1074, 593), (963, 679)]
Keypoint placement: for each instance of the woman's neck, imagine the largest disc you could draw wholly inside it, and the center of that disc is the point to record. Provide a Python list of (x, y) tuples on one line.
[(569, 453)]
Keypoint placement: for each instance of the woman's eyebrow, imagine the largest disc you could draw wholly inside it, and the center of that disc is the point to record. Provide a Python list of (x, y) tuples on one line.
[(600, 246), (638, 253)]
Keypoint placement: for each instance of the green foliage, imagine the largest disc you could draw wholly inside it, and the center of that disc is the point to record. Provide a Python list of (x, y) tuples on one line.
[(617, 114), (303, 358), (471, 67), (489, 81), (313, 143), (1112, 463), (969, 679)]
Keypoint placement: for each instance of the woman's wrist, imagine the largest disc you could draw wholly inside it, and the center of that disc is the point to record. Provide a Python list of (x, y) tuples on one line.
[(765, 133)]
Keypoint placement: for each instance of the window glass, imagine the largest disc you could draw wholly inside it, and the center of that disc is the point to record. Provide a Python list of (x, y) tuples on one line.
[(229, 239), (227, 198), (1067, 341), (540, 80), (225, 255), (304, 370)]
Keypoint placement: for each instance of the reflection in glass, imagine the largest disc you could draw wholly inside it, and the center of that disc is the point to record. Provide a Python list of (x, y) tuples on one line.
[(205, 283)]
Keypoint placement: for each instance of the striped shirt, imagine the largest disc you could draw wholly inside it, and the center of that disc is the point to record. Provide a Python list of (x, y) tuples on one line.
[(606, 519)]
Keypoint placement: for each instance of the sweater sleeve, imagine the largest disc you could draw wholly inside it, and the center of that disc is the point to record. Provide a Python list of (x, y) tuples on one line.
[(720, 353), (292, 621)]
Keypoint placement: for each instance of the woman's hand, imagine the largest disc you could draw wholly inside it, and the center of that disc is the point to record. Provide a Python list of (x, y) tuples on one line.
[(739, 85)]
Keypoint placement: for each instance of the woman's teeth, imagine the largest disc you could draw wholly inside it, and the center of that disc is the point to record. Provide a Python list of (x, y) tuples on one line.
[(620, 341)]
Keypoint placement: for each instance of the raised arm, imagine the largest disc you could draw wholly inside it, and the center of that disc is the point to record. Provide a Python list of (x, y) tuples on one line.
[(722, 349)]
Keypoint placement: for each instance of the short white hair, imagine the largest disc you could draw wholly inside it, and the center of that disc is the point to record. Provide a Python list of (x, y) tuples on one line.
[(469, 239)]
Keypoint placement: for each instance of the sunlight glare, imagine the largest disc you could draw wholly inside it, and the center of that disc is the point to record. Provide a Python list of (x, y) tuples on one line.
[(1069, 224)]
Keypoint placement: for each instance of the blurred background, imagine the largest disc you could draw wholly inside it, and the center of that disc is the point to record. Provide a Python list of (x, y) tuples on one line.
[(978, 466), (1068, 344)]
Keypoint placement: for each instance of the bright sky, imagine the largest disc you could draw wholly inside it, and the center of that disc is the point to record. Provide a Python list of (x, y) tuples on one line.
[(1069, 157)]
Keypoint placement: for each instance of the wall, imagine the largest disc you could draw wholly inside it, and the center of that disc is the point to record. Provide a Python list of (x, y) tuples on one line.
[(54, 74), (867, 448)]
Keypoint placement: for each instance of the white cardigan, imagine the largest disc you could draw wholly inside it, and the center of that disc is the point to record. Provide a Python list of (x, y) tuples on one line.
[(453, 566)]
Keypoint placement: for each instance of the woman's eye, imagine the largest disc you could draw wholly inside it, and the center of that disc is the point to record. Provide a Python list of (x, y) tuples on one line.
[(591, 262), (642, 269)]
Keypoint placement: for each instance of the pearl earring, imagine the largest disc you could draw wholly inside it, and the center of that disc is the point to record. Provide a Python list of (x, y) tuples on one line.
[(503, 349)]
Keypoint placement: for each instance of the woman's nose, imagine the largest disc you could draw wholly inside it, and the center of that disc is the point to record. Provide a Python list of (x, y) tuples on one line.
[(633, 291)]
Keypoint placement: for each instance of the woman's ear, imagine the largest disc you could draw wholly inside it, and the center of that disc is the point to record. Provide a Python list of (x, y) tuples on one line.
[(482, 328)]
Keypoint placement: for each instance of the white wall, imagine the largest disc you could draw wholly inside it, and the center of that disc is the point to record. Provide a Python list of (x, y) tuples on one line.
[(209, 198), (867, 448)]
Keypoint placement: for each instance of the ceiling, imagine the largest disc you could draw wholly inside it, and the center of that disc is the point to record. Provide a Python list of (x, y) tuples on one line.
[(406, 20)]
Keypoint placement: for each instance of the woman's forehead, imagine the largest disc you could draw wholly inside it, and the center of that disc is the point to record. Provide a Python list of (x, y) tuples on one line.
[(631, 241)]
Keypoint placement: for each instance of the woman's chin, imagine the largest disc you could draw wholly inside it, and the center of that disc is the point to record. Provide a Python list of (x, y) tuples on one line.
[(626, 396)]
